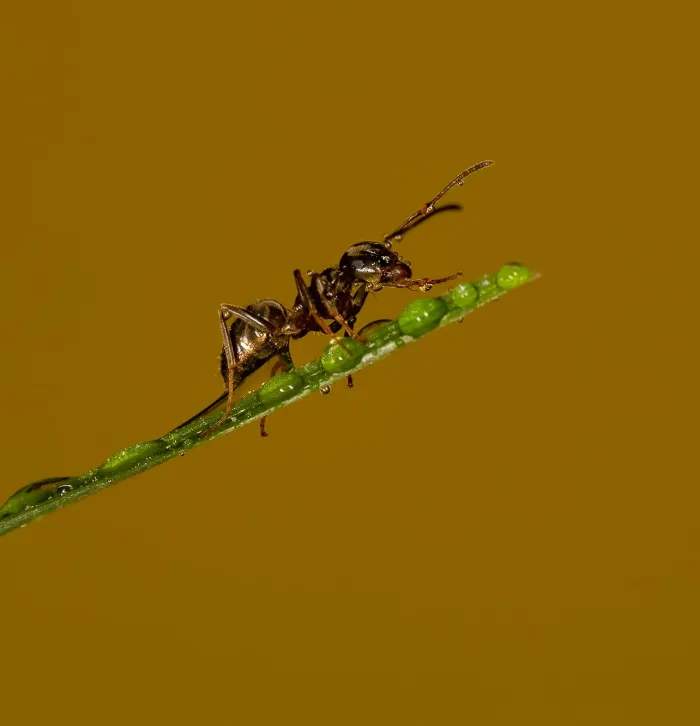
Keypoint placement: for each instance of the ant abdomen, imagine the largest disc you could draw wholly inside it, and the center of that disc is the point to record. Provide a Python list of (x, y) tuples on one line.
[(255, 344)]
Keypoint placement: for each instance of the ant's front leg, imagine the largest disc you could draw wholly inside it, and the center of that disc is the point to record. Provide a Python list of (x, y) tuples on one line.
[(424, 284), (226, 312), (310, 307), (330, 303)]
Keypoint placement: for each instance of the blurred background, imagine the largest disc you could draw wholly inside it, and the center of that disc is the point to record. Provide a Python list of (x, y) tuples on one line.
[(496, 526)]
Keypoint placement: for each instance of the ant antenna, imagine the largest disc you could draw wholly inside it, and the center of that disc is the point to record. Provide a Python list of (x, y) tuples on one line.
[(429, 208), (407, 227)]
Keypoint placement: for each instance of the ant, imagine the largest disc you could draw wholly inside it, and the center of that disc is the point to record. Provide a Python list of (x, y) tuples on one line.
[(328, 303)]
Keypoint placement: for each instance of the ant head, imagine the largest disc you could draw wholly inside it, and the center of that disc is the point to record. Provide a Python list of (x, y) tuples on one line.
[(374, 264)]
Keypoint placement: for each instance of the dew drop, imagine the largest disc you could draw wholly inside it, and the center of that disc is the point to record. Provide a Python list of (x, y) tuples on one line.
[(460, 183), (281, 387), (325, 390), (341, 357), (464, 295), (422, 316), (137, 452), (511, 275), (64, 489)]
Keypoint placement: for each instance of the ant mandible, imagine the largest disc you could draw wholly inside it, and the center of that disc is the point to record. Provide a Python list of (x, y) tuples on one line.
[(329, 302)]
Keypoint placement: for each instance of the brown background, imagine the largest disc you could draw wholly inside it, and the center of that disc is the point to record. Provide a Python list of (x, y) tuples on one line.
[(498, 525)]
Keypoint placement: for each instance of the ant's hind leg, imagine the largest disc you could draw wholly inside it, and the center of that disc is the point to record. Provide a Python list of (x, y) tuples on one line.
[(226, 312)]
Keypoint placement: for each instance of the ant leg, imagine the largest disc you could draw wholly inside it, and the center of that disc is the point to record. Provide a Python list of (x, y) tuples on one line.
[(283, 363), (347, 327), (226, 312), (429, 207), (423, 284), (351, 382), (358, 301), (310, 306), (329, 301)]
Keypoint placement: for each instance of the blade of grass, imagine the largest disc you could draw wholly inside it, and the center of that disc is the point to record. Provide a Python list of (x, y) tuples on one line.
[(419, 318)]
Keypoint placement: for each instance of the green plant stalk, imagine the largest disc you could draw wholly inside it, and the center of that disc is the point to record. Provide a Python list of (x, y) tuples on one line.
[(419, 318)]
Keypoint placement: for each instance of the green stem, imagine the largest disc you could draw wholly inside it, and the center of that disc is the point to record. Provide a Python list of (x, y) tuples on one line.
[(420, 317)]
